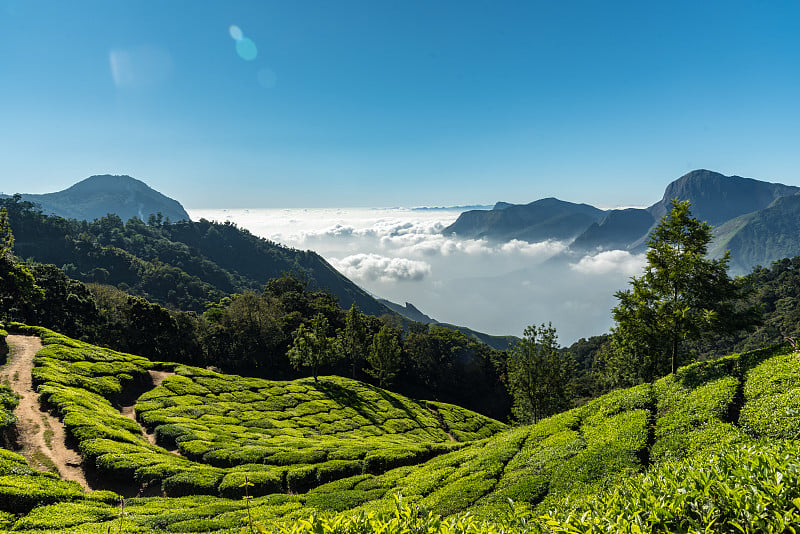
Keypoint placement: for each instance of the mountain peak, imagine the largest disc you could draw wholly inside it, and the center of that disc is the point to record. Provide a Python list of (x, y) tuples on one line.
[(110, 182), (100, 195), (717, 198)]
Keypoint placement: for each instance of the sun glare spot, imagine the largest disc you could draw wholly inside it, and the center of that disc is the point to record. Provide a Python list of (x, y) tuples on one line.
[(246, 49), (236, 32)]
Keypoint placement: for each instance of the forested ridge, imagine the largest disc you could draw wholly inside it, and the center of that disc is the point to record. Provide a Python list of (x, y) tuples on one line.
[(182, 265)]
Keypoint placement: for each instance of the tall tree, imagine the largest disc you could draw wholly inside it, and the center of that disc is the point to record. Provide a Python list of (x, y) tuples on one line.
[(385, 356), (539, 375), (681, 296), (312, 347), (18, 290), (6, 236), (353, 339)]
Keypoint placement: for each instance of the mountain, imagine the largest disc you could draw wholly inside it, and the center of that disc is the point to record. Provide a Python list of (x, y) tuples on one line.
[(761, 237), (717, 198), (617, 230), (181, 265), (755, 220), (98, 196), (548, 218)]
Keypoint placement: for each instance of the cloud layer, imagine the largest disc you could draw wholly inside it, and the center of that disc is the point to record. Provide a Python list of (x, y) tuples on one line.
[(498, 288)]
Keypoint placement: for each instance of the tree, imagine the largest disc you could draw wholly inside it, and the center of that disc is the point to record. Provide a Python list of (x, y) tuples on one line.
[(681, 296), (312, 347), (539, 375), (384, 356), (6, 236), (18, 290), (353, 339)]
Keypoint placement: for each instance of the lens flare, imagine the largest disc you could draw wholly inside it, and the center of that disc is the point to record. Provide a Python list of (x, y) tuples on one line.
[(246, 49), (236, 32)]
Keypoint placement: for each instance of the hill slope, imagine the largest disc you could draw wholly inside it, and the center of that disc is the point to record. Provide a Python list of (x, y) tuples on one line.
[(97, 196), (727, 419), (761, 237), (183, 265)]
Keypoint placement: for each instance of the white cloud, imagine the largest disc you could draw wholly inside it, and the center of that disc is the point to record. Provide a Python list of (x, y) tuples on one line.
[(374, 267), (491, 287), (611, 261)]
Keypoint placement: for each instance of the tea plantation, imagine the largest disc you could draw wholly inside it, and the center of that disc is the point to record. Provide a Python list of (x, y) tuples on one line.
[(711, 448)]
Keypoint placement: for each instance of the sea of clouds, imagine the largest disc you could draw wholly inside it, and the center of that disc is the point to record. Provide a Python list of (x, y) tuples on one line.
[(499, 288)]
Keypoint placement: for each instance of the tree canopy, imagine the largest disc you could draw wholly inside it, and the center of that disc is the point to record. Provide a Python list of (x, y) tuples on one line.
[(681, 297), (539, 375)]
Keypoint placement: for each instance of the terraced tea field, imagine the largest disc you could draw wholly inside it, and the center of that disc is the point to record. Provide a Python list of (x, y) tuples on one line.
[(303, 447)]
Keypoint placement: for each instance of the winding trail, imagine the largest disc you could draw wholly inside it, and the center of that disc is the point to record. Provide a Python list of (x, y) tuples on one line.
[(128, 410), (41, 436)]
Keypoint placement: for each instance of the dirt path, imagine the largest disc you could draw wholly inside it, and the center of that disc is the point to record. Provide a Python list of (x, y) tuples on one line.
[(128, 411), (442, 424), (40, 435)]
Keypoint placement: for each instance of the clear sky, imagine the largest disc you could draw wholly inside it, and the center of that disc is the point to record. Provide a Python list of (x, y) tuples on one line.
[(381, 103)]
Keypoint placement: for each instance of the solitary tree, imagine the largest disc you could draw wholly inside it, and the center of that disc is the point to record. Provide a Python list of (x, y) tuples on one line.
[(681, 296), (539, 375)]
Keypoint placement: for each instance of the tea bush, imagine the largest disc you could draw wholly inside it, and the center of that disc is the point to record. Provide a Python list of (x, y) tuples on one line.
[(772, 394)]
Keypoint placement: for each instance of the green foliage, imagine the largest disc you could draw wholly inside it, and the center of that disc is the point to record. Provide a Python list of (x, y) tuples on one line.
[(681, 296), (312, 347), (538, 375), (384, 356), (772, 392), (8, 401), (666, 456), (750, 489)]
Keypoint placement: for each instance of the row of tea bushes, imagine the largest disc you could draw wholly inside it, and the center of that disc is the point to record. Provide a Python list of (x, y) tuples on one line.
[(772, 395), (285, 436)]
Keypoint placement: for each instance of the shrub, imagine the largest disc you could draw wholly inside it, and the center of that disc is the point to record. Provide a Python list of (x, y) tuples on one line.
[(65, 515), (19, 494), (262, 483), (193, 482)]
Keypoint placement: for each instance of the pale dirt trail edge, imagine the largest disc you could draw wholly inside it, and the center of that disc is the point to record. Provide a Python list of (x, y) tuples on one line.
[(40, 434)]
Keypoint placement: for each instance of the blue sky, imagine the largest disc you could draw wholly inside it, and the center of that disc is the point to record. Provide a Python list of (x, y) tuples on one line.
[(383, 103)]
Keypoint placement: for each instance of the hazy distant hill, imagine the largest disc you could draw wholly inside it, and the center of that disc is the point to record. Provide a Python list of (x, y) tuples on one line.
[(548, 218), (617, 230), (756, 220), (98, 196)]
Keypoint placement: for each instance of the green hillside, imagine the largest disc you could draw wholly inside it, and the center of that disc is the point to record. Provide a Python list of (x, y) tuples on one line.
[(712, 446), (183, 265)]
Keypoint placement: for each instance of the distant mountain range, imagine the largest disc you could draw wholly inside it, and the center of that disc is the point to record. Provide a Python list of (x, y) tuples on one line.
[(97, 196), (759, 222)]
